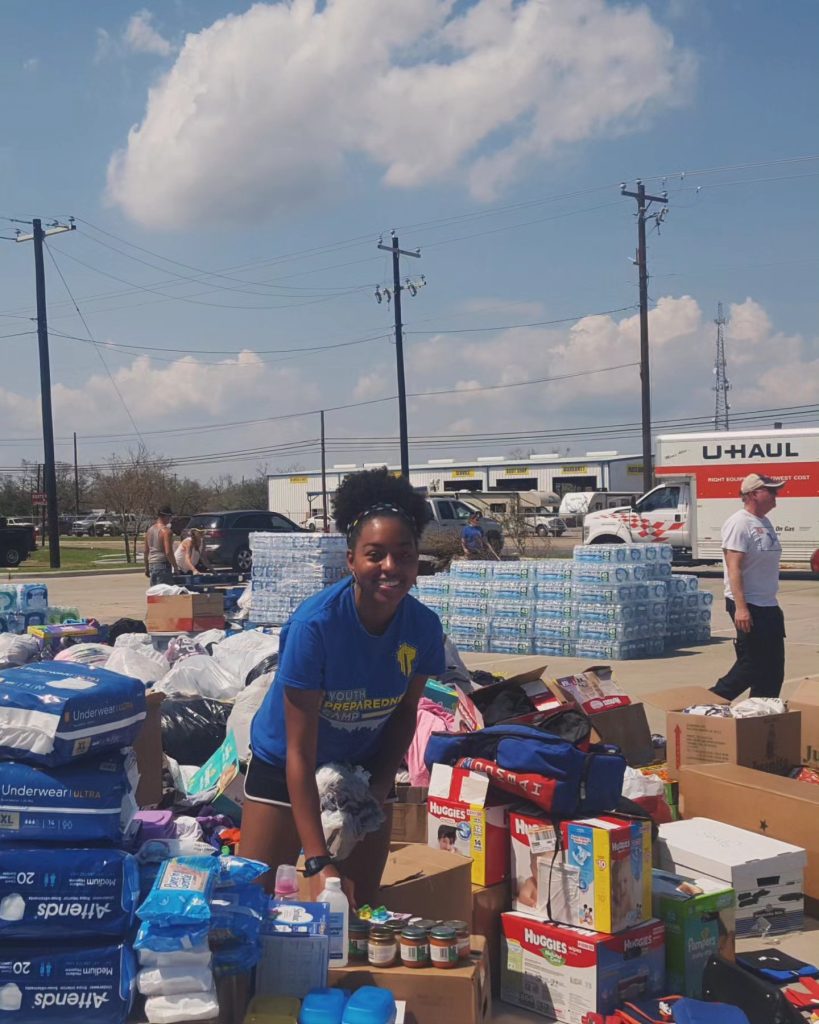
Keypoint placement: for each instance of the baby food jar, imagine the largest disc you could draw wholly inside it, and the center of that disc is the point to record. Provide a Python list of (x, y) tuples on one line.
[(462, 933), (414, 945), (382, 946), (443, 946), (358, 940)]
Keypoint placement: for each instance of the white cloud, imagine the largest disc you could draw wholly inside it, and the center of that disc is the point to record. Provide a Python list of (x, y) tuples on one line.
[(140, 36), (262, 110), (31, 65)]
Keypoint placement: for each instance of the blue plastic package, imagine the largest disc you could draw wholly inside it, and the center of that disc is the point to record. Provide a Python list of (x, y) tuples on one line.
[(170, 938), (370, 1005), (53, 893), (237, 914), (238, 871), (53, 712), (65, 985), (90, 801), (236, 958), (323, 1006), (182, 891)]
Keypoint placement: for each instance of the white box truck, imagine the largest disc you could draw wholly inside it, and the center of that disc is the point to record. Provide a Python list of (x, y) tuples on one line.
[(700, 476)]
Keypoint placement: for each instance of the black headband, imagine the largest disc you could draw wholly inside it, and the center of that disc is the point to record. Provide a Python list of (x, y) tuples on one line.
[(380, 509)]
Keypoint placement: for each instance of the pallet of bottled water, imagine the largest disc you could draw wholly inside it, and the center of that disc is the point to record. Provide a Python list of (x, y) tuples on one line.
[(290, 567)]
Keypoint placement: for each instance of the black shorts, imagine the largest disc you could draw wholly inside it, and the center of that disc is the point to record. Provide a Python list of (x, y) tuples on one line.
[(267, 784)]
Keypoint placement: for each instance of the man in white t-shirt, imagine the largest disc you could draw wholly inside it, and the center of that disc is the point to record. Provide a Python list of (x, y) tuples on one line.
[(750, 555)]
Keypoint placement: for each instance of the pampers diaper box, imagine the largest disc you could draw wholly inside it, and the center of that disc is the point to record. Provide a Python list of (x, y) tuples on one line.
[(605, 879), (463, 818), (568, 974), (699, 915)]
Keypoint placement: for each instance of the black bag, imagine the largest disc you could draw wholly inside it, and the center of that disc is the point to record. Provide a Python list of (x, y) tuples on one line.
[(763, 1003), (193, 728)]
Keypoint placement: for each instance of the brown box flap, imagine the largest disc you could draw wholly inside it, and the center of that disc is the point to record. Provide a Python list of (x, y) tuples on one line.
[(679, 697)]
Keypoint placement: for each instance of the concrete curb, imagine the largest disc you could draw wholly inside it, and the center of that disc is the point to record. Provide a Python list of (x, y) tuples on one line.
[(67, 573)]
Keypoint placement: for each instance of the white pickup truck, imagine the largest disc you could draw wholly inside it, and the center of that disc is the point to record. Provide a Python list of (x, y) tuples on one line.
[(700, 476)]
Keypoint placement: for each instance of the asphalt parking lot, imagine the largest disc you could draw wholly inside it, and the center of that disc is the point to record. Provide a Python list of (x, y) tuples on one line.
[(111, 597)]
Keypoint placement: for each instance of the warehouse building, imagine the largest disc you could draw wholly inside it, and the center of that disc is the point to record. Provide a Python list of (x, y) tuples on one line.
[(298, 495)]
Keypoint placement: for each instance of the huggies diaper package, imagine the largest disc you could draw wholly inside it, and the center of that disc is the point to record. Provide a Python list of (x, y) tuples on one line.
[(66, 985), (53, 713), (90, 801), (57, 894)]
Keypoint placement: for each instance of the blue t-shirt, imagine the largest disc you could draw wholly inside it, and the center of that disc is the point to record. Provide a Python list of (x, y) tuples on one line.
[(472, 537), (364, 677)]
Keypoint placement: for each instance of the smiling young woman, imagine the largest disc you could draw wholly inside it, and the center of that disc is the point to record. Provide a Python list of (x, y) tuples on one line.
[(353, 663)]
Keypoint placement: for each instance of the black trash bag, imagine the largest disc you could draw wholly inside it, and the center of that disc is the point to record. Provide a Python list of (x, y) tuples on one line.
[(122, 626), (193, 728)]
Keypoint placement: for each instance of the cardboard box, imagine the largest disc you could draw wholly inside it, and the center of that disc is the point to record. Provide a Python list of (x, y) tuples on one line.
[(606, 874), (593, 689), (460, 995), (488, 903), (148, 750), (409, 815), (770, 743), (517, 671), (568, 974), (766, 805), (766, 874), (805, 700), (700, 922), (531, 836), (295, 950), (464, 818), (185, 613)]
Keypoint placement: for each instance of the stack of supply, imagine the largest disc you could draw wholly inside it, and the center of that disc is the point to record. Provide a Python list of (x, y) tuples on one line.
[(434, 592), (289, 567), (489, 606), (512, 597), (619, 599), (468, 604), (67, 780), (689, 612), (175, 960), (581, 938), (22, 605), (553, 610)]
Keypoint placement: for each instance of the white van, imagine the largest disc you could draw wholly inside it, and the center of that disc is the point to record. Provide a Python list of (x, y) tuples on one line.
[(580, 503)]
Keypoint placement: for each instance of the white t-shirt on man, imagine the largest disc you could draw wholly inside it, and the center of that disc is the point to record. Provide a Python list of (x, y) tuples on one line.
[(756, 538)]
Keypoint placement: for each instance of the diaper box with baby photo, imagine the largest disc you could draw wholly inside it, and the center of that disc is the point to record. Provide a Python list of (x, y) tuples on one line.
[(532, 837), (568, 974), (605, 880), (462, 817)]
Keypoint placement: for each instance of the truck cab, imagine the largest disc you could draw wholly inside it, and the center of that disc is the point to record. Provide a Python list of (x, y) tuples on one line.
[(446, 518), (663, 514)]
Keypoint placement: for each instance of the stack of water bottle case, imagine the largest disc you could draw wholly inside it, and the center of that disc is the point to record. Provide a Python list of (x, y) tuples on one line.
[(26, 604), (289, 567), (610, 601)]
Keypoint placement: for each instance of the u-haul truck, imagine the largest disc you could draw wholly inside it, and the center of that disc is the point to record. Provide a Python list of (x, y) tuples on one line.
[(700, 476)]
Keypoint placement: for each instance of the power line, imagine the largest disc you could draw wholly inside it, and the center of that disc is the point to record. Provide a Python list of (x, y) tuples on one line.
[(95, 344)]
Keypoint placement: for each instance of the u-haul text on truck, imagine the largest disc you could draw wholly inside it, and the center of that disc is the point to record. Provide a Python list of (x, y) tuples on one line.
[(700, 478)]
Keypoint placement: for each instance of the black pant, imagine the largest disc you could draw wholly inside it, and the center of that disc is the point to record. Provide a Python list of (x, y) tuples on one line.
[(760, 662)]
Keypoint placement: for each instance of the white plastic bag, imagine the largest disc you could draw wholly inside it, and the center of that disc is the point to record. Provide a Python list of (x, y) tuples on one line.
[(136, 641), (637, 786), (173, 981), (166, 590), (17, 650), (246, 705), (86, 654), (172, 1009), (241, 653), (199, 675), (210, 636), (144, 663)]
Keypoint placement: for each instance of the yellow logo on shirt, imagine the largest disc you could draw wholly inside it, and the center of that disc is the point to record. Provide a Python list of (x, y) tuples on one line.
[(405, 656)]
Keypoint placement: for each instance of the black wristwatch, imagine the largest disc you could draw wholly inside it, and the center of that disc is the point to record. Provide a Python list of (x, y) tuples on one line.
[(315, 865)]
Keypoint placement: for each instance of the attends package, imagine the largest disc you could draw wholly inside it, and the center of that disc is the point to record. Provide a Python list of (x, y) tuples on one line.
[(52, 894), (66, 986), (52, 714), (92, 800)]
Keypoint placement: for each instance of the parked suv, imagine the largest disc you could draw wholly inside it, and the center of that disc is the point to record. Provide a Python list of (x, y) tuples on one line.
[(227, 534)]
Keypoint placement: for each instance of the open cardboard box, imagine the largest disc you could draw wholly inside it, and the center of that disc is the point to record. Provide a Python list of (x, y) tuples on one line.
[(148, 750), (488, 903), (518, 671), (460, 995), (409, 815), (185, 613), (769, 805), (805, 700), (770, 743)]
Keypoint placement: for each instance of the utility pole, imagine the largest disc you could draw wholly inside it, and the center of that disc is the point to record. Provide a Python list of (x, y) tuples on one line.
[(721, 384), (38, 235), (399, 341), (323, 475), (76, 479), (643, 203)]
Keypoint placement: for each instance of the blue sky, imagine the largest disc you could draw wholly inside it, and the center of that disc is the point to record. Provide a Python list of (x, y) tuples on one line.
[(492, 134)]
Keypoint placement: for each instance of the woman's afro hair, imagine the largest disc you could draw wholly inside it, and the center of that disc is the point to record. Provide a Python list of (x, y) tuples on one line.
[(358, 492)]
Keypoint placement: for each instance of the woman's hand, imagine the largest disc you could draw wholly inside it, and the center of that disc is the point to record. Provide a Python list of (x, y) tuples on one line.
[(318, 882)]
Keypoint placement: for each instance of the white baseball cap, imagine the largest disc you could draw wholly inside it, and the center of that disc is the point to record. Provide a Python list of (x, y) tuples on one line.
[(754, 481)]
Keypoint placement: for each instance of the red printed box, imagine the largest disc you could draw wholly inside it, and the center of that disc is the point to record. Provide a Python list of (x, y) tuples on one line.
[(463, 818)]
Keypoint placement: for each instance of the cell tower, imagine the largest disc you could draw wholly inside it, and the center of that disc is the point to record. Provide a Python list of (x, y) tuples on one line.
[(721, 384)]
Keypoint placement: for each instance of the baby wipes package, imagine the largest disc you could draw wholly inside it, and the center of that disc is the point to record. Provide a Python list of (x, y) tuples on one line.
[(163, 940), (52, 713), (182, 892), (66, 985), (55, 893), (89, 801)]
